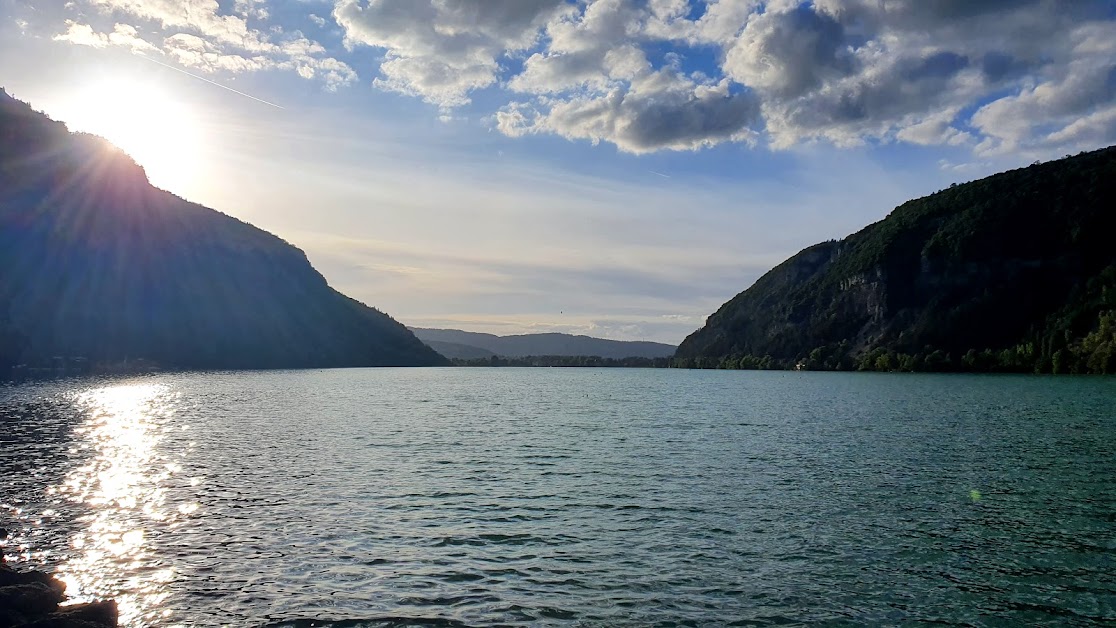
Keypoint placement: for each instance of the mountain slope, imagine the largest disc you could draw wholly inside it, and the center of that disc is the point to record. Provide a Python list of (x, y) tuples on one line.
[(1013, 272), (95, 262), (545, 344), (457, 351)]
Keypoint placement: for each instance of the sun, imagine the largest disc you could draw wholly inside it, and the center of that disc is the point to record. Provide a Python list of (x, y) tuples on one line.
[(149, 124)]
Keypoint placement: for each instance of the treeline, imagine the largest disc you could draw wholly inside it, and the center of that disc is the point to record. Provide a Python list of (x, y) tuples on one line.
[(1095, 354), (566, 361)]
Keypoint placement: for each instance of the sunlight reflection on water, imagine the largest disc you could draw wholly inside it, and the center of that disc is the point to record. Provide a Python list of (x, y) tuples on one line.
[(527, 497), (124, 486)]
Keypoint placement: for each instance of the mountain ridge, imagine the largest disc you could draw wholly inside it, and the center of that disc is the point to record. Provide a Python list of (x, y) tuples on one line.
[(551, 344), (1013, 272), (96, 262)]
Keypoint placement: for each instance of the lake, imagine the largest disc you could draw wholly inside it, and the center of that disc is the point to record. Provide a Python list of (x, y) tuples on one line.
[(579, 497)]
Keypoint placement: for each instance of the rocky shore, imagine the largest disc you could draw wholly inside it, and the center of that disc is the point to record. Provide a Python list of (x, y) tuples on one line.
[(31, 599)]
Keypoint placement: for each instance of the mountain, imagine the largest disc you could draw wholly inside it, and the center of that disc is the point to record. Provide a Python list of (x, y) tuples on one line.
[(539, 345), (97, 263), (1015, 272), (457, 351)]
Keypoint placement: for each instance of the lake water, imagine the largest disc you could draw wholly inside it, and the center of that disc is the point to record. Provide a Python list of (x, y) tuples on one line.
[(572, 497)]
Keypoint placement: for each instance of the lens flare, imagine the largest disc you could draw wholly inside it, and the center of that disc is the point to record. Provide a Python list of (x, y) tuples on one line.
[(151, 125)]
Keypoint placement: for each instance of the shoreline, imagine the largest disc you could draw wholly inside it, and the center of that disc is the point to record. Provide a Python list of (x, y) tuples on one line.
[(36, 599)]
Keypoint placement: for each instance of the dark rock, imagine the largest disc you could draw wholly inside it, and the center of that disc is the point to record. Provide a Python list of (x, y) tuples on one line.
[(93, 614), (10, 577), (58, 622), (61, 623), (9, 617), (31, 599)]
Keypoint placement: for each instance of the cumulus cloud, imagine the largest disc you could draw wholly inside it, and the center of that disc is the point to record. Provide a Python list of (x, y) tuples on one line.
[(596, 83), (121, 35), (778, 71), (647, 75), (200, 34), (256, 9), (936, 128), (590, 50), (601, 91), (660, 110), (1073, 110), (441, 51), (789, 53), (913, 65)]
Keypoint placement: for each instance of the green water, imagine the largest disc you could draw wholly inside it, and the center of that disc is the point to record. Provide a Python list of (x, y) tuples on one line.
[(571, 497)]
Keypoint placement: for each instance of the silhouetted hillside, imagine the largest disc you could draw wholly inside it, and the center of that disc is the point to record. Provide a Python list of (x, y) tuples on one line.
[(1015, 272), (95, 262), (455, 351), (543, 344)]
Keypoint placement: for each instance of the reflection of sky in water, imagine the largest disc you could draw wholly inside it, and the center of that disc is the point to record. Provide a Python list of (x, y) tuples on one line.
[(124, 487)]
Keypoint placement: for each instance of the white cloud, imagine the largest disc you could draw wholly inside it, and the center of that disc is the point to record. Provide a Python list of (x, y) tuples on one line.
[(787, 54), (841, 71), (935, 129), (647, 75), (121, 35), (592, 50), (1071, 111), (196, 52), (602, 91), (441, 51), (660, 110), (198, 34), (255, 9), (202, 16), (851, 71)]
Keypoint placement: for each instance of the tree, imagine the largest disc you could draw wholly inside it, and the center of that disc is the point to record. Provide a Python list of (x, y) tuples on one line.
[(1097, 350)]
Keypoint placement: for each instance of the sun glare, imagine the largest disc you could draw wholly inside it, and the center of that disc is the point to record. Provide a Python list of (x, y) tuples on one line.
[(147, 123)]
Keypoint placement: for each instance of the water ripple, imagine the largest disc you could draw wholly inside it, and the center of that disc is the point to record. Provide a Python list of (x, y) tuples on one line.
[(493, 497)]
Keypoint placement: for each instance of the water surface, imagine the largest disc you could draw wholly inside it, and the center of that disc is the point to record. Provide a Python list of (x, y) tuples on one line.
[(569, 497)]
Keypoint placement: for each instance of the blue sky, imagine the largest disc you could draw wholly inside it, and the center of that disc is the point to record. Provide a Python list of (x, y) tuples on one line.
[(617, 168)]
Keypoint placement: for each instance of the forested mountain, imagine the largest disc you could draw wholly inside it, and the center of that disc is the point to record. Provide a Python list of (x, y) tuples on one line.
[(96, 263), (466, 344), (1015, 272)]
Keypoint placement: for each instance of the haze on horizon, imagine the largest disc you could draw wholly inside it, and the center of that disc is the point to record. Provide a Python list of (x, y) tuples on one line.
[(611, 168)]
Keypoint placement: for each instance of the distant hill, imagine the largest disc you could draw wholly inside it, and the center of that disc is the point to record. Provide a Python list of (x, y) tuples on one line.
[(453, 340), (456, 351), (97, 263), (1015, 272)]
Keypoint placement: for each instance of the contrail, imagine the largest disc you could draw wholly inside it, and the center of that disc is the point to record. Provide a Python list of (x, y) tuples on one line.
[(202, 78), (665, 176)]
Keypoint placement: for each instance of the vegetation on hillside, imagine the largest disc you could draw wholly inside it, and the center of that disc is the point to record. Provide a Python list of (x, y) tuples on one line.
[(590, 361), (1012, 273)]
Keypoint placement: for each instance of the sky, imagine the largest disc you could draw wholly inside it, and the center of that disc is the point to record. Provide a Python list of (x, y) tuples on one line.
[(615, 168)]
